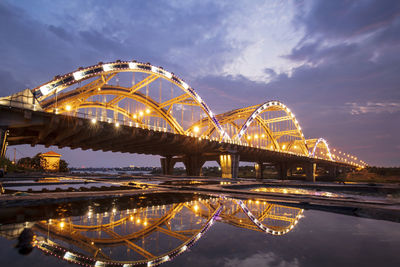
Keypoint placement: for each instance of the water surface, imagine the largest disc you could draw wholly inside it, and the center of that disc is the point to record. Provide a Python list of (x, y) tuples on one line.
[(232, 232)]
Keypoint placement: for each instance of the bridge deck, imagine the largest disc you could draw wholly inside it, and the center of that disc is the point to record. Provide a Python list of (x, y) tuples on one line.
[(36, 127)]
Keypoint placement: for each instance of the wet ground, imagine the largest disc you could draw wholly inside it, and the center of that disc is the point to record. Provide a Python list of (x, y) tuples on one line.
[(147, 221)]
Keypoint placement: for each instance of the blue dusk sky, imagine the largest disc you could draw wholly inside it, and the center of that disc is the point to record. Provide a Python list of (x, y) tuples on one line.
[(336, 64)]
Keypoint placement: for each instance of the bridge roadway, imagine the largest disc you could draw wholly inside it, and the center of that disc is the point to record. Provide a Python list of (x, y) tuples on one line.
[(25, 126)]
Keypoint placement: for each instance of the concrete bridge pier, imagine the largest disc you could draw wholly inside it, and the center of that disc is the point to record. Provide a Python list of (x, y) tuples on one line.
[(167, 165), (333, 171), (3, 142), (310, 169), (259, 168), (193, 164), (282, 168), (229, 165)]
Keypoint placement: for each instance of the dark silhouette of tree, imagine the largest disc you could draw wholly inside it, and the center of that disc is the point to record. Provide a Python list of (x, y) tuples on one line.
[(63, 166)]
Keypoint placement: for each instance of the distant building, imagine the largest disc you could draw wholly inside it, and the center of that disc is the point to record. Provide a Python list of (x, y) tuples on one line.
[(50, 161)]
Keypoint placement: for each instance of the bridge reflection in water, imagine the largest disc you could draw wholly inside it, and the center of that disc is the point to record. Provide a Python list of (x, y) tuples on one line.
[(151, 235)]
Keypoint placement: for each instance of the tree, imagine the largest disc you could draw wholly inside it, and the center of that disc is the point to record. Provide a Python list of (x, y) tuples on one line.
[(63, 166)]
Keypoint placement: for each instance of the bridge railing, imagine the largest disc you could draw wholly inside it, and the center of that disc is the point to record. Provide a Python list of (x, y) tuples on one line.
[(119, 122)]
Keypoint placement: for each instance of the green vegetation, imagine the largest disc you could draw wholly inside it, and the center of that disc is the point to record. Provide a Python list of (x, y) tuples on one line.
[(28, 164), (375, 175), (7, 165)]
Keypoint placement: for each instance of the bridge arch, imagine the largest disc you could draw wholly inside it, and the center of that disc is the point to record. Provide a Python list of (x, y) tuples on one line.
[(253, 116), (47, 93), (293, 130), (325, 143)]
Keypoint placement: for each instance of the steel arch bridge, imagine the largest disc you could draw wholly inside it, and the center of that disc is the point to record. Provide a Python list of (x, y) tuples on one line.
[(92, 241), (145, 96)]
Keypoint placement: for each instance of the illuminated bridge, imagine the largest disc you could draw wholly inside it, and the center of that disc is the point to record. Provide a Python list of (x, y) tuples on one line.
[(133, 107)]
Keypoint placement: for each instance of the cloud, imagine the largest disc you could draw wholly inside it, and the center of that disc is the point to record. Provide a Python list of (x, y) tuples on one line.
[(261, 259), (341, 19), (370, 107)]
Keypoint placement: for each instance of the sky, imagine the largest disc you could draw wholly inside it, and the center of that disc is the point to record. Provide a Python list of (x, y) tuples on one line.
[(335, 64)]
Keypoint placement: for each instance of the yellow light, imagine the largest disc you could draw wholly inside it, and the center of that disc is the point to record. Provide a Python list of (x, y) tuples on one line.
[(256, 136), (117, 124), (284, 146), (147, 111), (134, 116), (196, 129), (196, 208), (145, 223), (131, 218), (263, 136), (68, 107), (62, 224), (138, 221), (295, 147), (141, 113), (94, 121), (248, 137)]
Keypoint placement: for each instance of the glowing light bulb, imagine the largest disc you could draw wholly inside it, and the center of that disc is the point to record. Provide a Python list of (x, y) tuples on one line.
[(147, 111), (117, 124), (62, 224), (68, 107), (94, 121), (141, 113)]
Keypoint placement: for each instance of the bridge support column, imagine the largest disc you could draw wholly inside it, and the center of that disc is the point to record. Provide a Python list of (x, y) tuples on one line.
[(282, 169), (167, 165), (310, 169), (259, 167), (333, 171), (193, 164), (229, 165), (3, 142)]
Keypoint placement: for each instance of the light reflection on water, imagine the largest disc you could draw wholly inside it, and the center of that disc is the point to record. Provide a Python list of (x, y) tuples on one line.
[(296, 191), (151, 234)]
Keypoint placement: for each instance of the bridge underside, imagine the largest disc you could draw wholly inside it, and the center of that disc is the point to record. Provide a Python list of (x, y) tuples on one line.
[(36, 127)]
